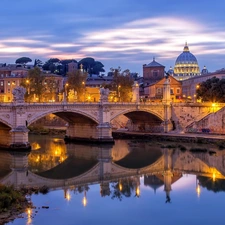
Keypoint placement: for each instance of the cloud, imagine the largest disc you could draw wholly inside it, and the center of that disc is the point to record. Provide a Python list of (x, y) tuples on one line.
[(136, 40)]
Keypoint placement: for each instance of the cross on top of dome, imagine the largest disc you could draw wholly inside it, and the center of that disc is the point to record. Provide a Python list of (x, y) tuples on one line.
[(186, 49)]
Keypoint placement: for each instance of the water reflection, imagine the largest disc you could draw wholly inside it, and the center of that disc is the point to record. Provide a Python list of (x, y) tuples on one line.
[(117, 168)]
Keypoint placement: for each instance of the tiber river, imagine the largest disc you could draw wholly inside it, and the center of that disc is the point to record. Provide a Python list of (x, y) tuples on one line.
[(188, 188)]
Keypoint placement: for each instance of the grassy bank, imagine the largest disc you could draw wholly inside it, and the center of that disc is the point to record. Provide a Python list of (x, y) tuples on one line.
[(12, 203)]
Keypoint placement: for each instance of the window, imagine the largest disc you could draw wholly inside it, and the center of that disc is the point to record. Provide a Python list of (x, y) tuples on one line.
[(2, 83), (171, 91), (155, 73), (178, 90), (9, 90), (8, 83), (159, 90)]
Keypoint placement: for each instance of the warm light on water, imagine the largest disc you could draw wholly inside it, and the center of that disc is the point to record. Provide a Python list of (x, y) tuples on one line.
[(118, 188)]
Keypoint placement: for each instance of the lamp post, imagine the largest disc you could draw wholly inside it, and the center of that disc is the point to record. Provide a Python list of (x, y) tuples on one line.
[(28, 85), (83, 85), (119, 92), (65, 92)]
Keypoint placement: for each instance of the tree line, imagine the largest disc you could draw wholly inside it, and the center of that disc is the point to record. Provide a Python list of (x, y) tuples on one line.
[(60, 67)]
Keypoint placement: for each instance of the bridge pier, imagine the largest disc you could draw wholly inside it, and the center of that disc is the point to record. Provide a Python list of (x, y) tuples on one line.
[(19, 138), (89, 133)]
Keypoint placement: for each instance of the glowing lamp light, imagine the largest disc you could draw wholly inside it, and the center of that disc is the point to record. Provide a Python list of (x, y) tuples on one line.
[(214, 176), (138, 192), (198, 190), (29, 216), (68, 196), (84, 200), (120, 187)]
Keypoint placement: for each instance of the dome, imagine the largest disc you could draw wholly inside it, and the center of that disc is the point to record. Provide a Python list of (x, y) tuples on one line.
[(204, 71), (186, 64), (170, 71)]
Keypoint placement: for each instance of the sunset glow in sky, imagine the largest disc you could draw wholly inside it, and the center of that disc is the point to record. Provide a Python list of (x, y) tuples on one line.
[(126, 33)]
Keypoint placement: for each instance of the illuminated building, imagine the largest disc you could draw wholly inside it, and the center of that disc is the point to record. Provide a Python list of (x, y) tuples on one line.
[(186, 65)]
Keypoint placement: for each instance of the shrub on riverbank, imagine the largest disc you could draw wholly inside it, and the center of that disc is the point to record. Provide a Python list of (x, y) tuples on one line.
[(10, 198)]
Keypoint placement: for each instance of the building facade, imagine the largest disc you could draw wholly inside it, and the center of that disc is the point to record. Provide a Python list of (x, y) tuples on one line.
[(155, 91), (153, 72)]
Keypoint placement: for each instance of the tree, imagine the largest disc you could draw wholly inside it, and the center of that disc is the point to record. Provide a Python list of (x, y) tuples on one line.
[(23, 60), (51, 64), (37, 62), (76, 81), (212, 90), (122, 84), (34, 85), (91, 66)]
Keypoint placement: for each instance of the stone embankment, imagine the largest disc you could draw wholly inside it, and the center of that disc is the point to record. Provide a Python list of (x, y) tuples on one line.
[(176, 137)]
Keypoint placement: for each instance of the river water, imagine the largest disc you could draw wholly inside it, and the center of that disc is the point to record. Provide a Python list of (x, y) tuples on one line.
[(137, 182)]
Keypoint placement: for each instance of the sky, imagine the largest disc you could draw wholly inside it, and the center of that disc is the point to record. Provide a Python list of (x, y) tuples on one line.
[(125, 33)]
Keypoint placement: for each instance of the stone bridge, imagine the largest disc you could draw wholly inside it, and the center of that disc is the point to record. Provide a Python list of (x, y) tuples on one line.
[(92, 121)]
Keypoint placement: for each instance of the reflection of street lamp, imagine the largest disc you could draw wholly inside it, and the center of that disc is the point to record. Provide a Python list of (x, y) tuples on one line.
[(214, 177), (198, 189), (120, 186), (29, 216), (84, 200), (213, 106), (137, 191)]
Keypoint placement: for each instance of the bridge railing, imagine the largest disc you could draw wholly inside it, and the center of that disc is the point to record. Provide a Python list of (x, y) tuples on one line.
[(80, 103)]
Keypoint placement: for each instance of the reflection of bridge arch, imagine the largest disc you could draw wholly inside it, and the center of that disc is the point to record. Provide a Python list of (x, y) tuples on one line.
[(106, 170), (66, 115)]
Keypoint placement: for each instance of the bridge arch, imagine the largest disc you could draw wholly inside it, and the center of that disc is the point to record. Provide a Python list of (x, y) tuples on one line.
[(126, 111), (68, 116), (4, 123), (141, 120)]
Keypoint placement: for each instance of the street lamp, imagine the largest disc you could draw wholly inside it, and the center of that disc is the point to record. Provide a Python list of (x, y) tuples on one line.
[(66, 86), (119, 92), (83, 84), (28, 84), (65, 92)]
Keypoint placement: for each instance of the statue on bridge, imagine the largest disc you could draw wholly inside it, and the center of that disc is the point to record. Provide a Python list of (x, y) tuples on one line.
[(104, 94), (18, 94)]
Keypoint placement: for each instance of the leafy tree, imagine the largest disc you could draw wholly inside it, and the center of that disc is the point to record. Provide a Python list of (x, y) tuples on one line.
[(76, 81), (98, 67), (37, 62), (91, 66), (212, 90), (34, 85), (66, 61), (122, 84), (51, 64), (23, 60)]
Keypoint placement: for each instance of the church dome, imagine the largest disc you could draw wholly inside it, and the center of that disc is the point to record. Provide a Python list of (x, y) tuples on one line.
[(186, 64)]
